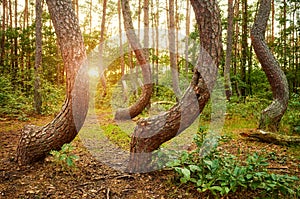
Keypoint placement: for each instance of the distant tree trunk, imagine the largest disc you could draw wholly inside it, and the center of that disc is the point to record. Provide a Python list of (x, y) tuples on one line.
[(284, 36), (36, 142), (15, 57), (122, 62), (244, 47), (228, 90), (152, 132), (273, 24), (172, 49), (157, 41), (76, 7), (139, 105), (146, 28), (3, 27), (38, 57), (102, 79), (187, 33), (236, 47), (272, 115)]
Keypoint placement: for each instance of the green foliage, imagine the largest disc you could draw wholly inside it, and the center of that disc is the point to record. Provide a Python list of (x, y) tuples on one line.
[(18, 104), (52, 97), (292, 115), (13, 103), (221, 173), (64, 158)]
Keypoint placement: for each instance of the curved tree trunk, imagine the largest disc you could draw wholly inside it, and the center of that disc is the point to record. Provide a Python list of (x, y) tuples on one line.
[(272, 115), (36, 142), (138, 106), (152, 132)]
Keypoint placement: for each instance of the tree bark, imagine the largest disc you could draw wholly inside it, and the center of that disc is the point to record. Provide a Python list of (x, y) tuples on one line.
[(102, 78), (38, 57), (228, 90), (152, 132), (143, 101), (244, 48), (272, 115), (187, 34), (36, 142), (172, 49), (3, 27)]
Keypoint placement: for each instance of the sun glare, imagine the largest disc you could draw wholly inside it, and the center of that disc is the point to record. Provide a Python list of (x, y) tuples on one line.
[(93, 73)]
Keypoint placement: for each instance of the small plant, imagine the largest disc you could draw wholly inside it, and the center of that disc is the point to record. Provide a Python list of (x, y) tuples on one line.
[(64, 157), (221, 173)]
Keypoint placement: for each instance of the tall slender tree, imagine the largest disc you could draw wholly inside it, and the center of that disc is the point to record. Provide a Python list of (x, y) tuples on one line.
[(38, 56), (172, 49), (228, 90), (102, 31), (244, 53), (187, 33), (3, 27)]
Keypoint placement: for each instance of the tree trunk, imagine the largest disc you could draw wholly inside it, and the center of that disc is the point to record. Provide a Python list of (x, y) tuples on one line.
[(236, 47), (187, 34), (228, 90), (157, 42), (272, 115), (143, 101), (152, 132), (36, 142), (146, 29), (172, 49), (244, 48), (102, 78), (38, 57), (3, 27)]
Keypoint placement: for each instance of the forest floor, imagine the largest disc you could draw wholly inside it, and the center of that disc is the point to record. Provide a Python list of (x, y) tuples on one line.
[(93, 179)]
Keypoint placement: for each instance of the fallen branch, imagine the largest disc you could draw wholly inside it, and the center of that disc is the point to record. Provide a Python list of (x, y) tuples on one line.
[(274, 138)]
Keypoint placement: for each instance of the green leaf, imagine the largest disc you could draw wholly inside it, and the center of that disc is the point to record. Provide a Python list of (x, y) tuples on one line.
[(194, 168), (186, 173), (70, 161)]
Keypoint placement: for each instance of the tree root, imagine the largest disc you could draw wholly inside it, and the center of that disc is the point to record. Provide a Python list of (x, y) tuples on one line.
[(273, 138)]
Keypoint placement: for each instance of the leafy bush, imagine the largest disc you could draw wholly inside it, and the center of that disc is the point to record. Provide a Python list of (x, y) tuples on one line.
[(52, 97), (221, 173), (64, 157), (292, 115), (13, 103)]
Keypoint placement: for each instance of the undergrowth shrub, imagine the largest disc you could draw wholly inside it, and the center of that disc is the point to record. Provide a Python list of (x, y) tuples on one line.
[(64, 158), (15, 103), (221, 173)]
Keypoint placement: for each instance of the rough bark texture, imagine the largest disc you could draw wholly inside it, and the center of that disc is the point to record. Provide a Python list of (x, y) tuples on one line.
[(172, 49), (272, 115), (36, 142), (152, 132), (38, 57), (143, 101), (228, 90)]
